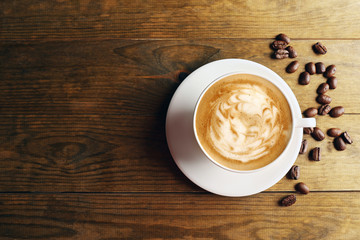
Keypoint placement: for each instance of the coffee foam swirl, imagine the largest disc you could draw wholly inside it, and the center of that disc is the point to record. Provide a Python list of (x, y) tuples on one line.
[(244, 122)]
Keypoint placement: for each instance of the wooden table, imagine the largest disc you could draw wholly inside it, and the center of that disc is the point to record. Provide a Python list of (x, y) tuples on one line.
[(85, 87)]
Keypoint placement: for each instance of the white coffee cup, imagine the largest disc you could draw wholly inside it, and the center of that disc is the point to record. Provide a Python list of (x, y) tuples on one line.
[(297, 120)]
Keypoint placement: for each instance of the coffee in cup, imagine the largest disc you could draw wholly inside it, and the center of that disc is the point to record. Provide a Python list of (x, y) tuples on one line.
[(243, 122)]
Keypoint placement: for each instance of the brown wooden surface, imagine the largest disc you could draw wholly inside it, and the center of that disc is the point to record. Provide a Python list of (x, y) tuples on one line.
[(84, 90), (198, 216)]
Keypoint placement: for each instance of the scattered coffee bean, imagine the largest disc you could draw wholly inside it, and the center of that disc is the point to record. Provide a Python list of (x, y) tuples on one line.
[(292, 67), (292, 52), (324, 109), (334, 132), (303, 147), (317, 134), (315, 154), (283, 37), (332, 81), (278, 45), (319, 48), (330, 71), (339, 144), (346, 138), (308, 130), (323, 88), (323, 99), (310, 112), (294, 172), (304, 78), (288, 200), (320, 67), (302, 188), (337, 111), (310, 68), (281, 54)]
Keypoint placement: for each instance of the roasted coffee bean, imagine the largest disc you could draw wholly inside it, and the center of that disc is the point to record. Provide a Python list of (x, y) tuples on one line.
[(292, 52), (303, 147), (283, 37), (339, 144), (288, 200), (310, 112), (334, 132), (346, 138), (315, 154), (317, 134), (323, 88), (337, 111), (320, 67), (304, 78), (310, 68), (281, 54), (330, 71), (302, 188), (324, 109), (319, 48), (294, 172), (323, 99), (278, 45), (308, 130), (332, 81), (292, 67)]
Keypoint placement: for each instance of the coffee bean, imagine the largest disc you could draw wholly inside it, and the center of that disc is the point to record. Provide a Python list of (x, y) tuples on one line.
[(310, 68), (323, 88), (308, 130), (304, 78), (332, 81), (278, 45), (339, 144), (334, 132), (320, 67), (288, 200), (294, 172), (324, 109), (292, 67), (310, 112), (317, 134), (337, 111), (346, 138), (330, 71), (292, 52), (303, 147), (302, 188), (281, 54), (315, 154), (323, 99), (283, 37), (319, 48)]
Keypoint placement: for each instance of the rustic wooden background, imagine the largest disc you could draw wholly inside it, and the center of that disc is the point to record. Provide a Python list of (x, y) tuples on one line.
[(84, 90)]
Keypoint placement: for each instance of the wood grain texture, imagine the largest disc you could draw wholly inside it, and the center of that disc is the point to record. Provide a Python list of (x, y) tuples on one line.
[(102, 153), (83, 19), (173, 216), (139, 77)]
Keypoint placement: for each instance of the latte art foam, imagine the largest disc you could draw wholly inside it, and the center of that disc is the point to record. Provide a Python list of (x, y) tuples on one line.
[(243, 122)]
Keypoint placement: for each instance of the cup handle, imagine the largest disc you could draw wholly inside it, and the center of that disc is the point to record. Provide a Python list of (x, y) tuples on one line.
[(305, 122)]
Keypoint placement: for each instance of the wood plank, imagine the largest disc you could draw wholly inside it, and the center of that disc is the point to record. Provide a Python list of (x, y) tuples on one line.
[(101, 153), (178, 216), (139, 77), (26, 20)]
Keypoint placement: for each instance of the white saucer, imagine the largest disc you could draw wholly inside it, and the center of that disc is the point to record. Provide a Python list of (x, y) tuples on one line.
[(189, 157)]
